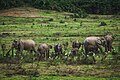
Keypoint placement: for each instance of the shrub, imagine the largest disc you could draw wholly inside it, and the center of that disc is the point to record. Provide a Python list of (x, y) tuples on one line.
[(33, 24), (3, 23), (51, 19), (80, 14), (95, 17), (75, 20), (61, 21), (102, 24)]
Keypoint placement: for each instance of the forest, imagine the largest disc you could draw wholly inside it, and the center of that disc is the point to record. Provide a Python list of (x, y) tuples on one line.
[(76, 6)]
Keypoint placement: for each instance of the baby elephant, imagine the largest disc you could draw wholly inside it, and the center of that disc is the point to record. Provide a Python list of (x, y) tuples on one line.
[(76, 44), (43, 51), (58, 50), (20, 45), (109, 39), (75, 48)]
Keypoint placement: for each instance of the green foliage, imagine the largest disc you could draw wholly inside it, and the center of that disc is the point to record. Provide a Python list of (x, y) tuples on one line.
[(4, 4), (80, 14), (102, 24), (90, 6), (58, 78), (62, 21), (51, 19)]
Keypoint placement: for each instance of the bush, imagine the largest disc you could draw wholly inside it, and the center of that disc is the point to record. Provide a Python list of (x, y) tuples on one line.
[(94, 17), (75, 20), (80, 14), (3, 23), (102, 24), (51, 19), (61, 21)]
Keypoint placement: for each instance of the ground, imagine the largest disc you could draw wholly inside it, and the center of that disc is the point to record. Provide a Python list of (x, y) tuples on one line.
[(51, 27)]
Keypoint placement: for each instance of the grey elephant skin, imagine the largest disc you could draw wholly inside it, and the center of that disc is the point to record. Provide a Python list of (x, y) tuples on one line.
[(20, 45), (75, 47), (92, 44), (109, 40), (58, 50), (43, 50)]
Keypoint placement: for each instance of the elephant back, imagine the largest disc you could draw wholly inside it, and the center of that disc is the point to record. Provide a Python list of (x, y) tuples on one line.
[(27, 44), (92, 41)]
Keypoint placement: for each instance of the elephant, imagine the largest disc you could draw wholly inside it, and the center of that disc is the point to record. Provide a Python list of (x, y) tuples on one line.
[(43, 50), (109, 39), (75, 47), (58, 50), (74, 51), (76, 44), (20, 45), (92, 44)]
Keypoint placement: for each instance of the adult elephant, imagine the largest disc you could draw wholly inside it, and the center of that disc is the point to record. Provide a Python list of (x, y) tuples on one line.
[(58, 50), (109, 39), (43, 50), (92, 44), (20, 45)]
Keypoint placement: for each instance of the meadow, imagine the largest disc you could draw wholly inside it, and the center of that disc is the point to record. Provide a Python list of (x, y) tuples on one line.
[(53, 27)]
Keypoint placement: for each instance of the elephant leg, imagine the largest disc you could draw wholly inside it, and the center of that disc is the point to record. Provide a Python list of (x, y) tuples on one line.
[(86, 53), (31, 51), (44, 56), (41, 56), (59, 55), (47, 55), (35, 51), (106, 48), (110, 49), (38, 56)]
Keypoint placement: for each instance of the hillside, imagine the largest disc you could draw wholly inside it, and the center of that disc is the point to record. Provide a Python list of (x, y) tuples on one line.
[(20, 12), (53, 27)]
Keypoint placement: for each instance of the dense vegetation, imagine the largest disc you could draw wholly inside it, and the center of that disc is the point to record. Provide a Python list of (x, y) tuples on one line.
[(76, 6)]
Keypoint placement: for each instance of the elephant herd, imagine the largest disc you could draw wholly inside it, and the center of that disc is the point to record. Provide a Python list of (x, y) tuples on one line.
[(90, 44)]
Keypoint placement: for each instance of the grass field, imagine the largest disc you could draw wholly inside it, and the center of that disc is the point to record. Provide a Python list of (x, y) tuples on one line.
[(44, 26)]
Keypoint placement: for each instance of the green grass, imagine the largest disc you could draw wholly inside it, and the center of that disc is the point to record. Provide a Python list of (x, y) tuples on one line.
[(41, 30), (58, 78)]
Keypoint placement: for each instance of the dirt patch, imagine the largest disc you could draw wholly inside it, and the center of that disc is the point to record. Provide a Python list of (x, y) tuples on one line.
[(20, 12)]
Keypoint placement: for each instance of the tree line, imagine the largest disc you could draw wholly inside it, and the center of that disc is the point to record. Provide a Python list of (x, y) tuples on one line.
[(76, 6)]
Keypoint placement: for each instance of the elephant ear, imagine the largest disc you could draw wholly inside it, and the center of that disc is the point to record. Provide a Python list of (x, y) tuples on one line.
[(103, 41), (99, 41)]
